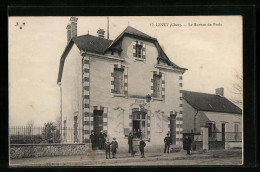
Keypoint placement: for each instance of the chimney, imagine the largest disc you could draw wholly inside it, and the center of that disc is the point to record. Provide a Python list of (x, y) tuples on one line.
[(101, 33), (220, 91), (68, 32), (72, 28)]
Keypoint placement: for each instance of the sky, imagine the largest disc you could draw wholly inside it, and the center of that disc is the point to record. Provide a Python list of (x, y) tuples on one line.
[(212, 55)]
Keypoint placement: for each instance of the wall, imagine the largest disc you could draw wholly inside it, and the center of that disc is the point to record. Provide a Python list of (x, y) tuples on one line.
[(38, 150), (72, 90), (188, 117), (139, 73), (219, 118)]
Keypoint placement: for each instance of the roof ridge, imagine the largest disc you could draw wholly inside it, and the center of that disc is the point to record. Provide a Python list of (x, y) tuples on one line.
[(201, 92), (92, 36)]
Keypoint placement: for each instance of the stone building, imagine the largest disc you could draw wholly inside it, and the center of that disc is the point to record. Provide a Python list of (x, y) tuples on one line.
[(119, 86)]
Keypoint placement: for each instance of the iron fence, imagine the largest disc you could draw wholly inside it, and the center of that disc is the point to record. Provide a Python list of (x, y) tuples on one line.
[(218, 136), (233, 136), (37, 135)]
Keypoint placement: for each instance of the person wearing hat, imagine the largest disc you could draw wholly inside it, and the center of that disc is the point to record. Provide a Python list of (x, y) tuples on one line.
[(130, 142), (107, 148), (142, 144), (114, 147), (167, 142), (92, 139)]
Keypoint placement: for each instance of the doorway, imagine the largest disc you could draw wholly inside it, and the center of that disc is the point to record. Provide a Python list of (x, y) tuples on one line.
[(97, 125), (139, 124), (223, 131)]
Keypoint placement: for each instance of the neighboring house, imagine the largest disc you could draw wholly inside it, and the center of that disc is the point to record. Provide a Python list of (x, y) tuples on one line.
[(119, 86), (222, 117)]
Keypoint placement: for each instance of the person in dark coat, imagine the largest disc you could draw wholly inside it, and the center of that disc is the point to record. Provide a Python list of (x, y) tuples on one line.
[(188, 144), (101, 140), (139, 134), (107, 148), (130, 143), (104, 139), (142, 144), (114, 147), (167, 142), (92, 139)]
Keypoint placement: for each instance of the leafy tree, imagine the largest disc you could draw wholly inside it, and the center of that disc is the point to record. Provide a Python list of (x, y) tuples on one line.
[(50, 133)]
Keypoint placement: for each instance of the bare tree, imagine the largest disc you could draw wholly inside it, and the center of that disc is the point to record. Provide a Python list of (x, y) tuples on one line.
[(29, 126), (238, 90)]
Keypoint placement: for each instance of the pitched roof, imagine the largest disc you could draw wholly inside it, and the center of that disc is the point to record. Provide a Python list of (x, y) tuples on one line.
[(210, 102), (92, 43), (101, 45), (134, 32)]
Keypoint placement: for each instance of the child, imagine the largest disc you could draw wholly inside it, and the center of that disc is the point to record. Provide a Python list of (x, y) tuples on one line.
[(107, 148), (141, 147)]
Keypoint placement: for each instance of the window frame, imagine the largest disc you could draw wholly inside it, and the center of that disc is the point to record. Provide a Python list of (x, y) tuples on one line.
[(121, 90), (141, 120), (157, 94)]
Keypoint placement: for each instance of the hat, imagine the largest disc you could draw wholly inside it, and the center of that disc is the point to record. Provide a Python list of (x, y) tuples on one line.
[(114, 138), (167, 134)]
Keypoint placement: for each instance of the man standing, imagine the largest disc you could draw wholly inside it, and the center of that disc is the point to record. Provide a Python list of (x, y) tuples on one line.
[(167, 142), (142, 144), (188, 144), (107, 148), (104, 139), (114, 147), (101, 140), (130, 143), (92, 139)]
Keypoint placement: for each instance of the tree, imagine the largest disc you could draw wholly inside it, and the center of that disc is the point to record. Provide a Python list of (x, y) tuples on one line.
[(51, 133), (238, 90), (29, 127)]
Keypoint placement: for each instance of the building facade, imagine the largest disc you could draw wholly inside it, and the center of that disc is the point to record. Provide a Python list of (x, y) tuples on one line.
[(221, 116), (120, 86)]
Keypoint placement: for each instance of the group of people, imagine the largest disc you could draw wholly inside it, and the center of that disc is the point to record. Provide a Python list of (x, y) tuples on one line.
[(104, 143), (186, 143), (142, 144)]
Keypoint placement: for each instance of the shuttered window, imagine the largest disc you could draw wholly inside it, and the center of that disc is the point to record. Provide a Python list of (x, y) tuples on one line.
[(118, 81), (157, 86)]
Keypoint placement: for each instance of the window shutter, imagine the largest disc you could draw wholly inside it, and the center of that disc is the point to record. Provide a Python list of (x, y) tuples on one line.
[(143, 51), (118, 81)]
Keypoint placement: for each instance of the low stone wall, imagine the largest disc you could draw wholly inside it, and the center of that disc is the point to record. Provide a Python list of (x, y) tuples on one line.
[(232, 145), (215, 145), (44, 150)]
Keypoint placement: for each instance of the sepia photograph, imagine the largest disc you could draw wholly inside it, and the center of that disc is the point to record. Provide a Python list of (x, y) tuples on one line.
[(125, 90)]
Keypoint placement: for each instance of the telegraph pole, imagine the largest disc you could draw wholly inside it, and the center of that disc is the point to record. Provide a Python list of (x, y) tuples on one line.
[(60, 111), (107, 27)]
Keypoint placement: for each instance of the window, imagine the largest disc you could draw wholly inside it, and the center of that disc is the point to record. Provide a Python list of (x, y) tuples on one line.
[(157, 86), (211, 129), (236, 131), (139, 50), (118, 81)]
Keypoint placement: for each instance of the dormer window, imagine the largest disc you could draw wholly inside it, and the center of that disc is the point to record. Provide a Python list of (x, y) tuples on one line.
[(139, 50)]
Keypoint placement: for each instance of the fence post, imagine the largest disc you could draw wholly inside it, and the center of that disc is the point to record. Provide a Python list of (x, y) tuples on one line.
[(205, 137)]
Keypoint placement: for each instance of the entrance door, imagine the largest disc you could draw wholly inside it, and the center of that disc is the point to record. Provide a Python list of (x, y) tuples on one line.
[(136, 127), (97, 125), (139, 124)]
